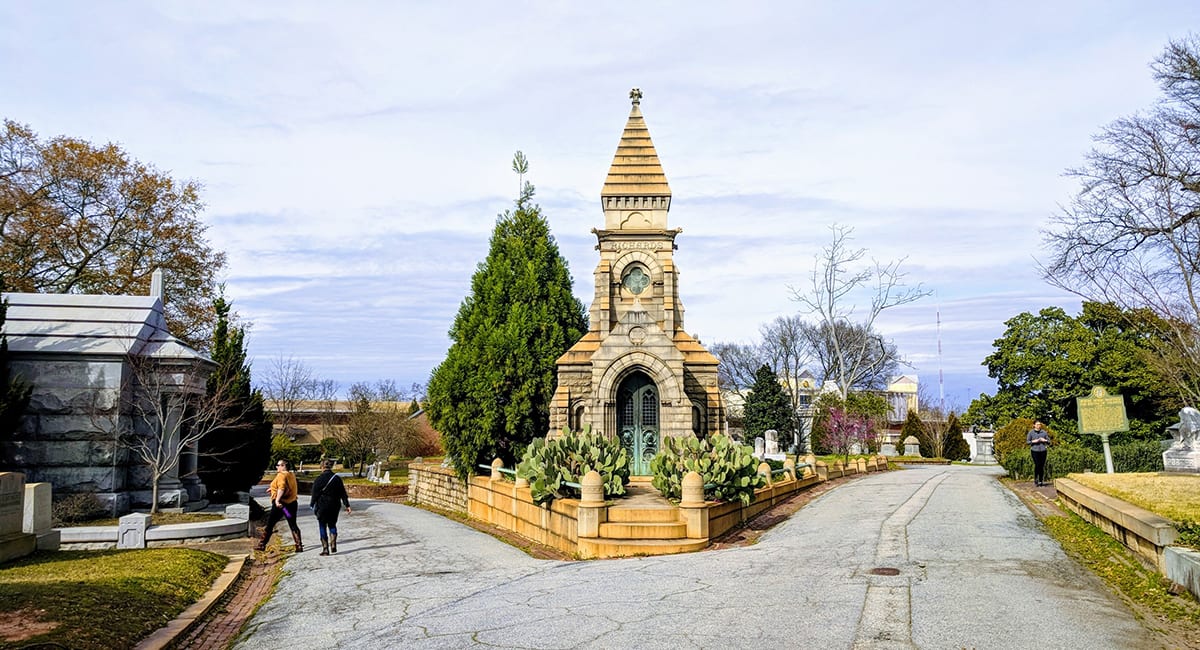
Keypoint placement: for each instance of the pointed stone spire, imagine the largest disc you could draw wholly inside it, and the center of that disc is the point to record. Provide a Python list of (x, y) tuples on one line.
[(636, 185), (156, 285)]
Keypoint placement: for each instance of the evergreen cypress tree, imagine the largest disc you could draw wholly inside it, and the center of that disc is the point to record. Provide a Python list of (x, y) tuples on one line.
[(14, 392), (955, 447), (767, 406), (491, 395), (234, 457)]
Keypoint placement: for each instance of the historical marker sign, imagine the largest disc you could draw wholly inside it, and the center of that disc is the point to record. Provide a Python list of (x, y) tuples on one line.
[(1102, 414)]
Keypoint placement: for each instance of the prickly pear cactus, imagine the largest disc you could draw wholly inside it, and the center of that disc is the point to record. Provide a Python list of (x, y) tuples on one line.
[(728, 468), (550, 465)]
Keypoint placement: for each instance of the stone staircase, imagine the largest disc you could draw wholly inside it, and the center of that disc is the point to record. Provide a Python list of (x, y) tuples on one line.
[(644, 523)]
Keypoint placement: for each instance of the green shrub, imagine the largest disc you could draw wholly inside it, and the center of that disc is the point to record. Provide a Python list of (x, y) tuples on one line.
[(1138, 456), (1060, 461), (549, 465), (728, 468)]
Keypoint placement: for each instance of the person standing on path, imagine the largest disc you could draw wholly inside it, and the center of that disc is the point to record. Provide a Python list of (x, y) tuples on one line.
[(1038, 440), (328, 497), (284, 494)]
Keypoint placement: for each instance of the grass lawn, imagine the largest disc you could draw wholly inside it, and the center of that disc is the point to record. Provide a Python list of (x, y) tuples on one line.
[(99, 599), (1175, 497)]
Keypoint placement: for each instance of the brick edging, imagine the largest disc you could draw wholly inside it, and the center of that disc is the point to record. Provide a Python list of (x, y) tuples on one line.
[(172, 631)]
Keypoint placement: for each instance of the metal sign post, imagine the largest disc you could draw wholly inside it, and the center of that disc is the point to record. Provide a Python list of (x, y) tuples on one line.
[(1102, 414)]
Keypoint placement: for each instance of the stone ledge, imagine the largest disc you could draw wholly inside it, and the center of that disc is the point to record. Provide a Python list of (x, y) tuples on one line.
[(93, 537), (1153, 528)]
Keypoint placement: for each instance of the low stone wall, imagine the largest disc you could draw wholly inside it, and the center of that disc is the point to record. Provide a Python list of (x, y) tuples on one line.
[(501, 502), (1142, 531), (430, 484)]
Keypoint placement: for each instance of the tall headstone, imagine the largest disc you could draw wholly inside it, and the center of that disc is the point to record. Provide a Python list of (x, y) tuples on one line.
[(772, 437), (14, 541), (760, 447), (37, 518), (1184, 453)]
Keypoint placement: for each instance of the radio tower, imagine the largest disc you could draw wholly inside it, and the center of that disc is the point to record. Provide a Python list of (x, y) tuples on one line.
[(941, 388)]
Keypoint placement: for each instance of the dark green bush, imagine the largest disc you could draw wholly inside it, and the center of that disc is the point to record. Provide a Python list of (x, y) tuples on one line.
[(549, 465), (1060, 461), (728, 468), (1138, 456)]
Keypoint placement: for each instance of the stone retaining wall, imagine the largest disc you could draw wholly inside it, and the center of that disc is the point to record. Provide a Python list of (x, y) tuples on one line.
[(430, 484)]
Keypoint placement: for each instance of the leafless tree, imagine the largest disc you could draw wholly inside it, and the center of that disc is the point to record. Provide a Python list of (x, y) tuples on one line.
[(379, 425), (839, 277), (286, 384), (325, 391), (1132, 235), (170, 411)]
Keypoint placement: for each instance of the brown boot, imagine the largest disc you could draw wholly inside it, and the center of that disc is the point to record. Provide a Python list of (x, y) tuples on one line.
[(296, 539), (261, 544), (324, 547), (333, 542)]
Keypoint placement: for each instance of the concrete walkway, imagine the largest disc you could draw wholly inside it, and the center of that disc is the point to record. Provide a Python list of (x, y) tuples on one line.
[(975, 570)]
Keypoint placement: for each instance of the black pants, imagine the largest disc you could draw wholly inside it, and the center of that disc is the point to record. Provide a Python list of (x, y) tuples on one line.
[(1039, 466), (288, 512)]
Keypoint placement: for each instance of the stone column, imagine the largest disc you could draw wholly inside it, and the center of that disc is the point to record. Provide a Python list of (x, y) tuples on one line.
[(592, 511), (692, 507)]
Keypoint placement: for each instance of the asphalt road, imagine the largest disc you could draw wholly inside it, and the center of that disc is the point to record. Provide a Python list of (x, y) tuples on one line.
[(973, 569)]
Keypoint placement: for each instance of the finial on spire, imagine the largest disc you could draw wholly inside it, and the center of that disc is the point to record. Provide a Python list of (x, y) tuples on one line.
[(636, 96)]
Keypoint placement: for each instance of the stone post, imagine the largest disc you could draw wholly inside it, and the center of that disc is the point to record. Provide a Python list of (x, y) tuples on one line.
[(692, 506), (822, 471), (497, 465), (765, 470), (790, 465), (592, 511), (131, 530)]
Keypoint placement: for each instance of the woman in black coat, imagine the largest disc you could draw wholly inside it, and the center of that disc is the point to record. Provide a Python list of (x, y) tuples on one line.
[(328, 496)]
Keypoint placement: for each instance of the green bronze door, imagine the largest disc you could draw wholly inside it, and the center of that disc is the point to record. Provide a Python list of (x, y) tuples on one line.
[(637, 420)]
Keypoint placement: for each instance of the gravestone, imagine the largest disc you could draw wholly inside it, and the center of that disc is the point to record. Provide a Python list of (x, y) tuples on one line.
[(14, 541), (760, 447), (912, 447), (772, 441), (37, 518), (387, 478), (888, 448), (1184, 453)]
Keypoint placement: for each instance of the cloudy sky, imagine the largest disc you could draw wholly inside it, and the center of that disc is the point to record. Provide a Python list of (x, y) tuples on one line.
[(355, 155)]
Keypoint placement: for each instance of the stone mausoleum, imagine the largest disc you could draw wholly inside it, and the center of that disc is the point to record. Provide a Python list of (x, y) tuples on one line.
[(89, 357), (637, 374)]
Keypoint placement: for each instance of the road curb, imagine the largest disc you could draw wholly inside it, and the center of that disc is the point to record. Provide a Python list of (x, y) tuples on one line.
[(199, 609)]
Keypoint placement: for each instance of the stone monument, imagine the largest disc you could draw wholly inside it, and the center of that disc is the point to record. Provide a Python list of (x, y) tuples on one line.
[(912, 447), (1184, 453), (637, 375), (888, 448), (14, 541), (985, 448)]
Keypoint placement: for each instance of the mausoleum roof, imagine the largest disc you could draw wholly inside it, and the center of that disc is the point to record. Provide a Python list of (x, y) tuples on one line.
[(635, 169), (84, 324)]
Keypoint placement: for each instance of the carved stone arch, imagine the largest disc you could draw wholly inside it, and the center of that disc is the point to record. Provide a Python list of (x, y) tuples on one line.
[(646, 259), (670, 388)]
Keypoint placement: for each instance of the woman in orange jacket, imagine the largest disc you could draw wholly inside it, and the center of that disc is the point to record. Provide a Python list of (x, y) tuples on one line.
[(284, 494)]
